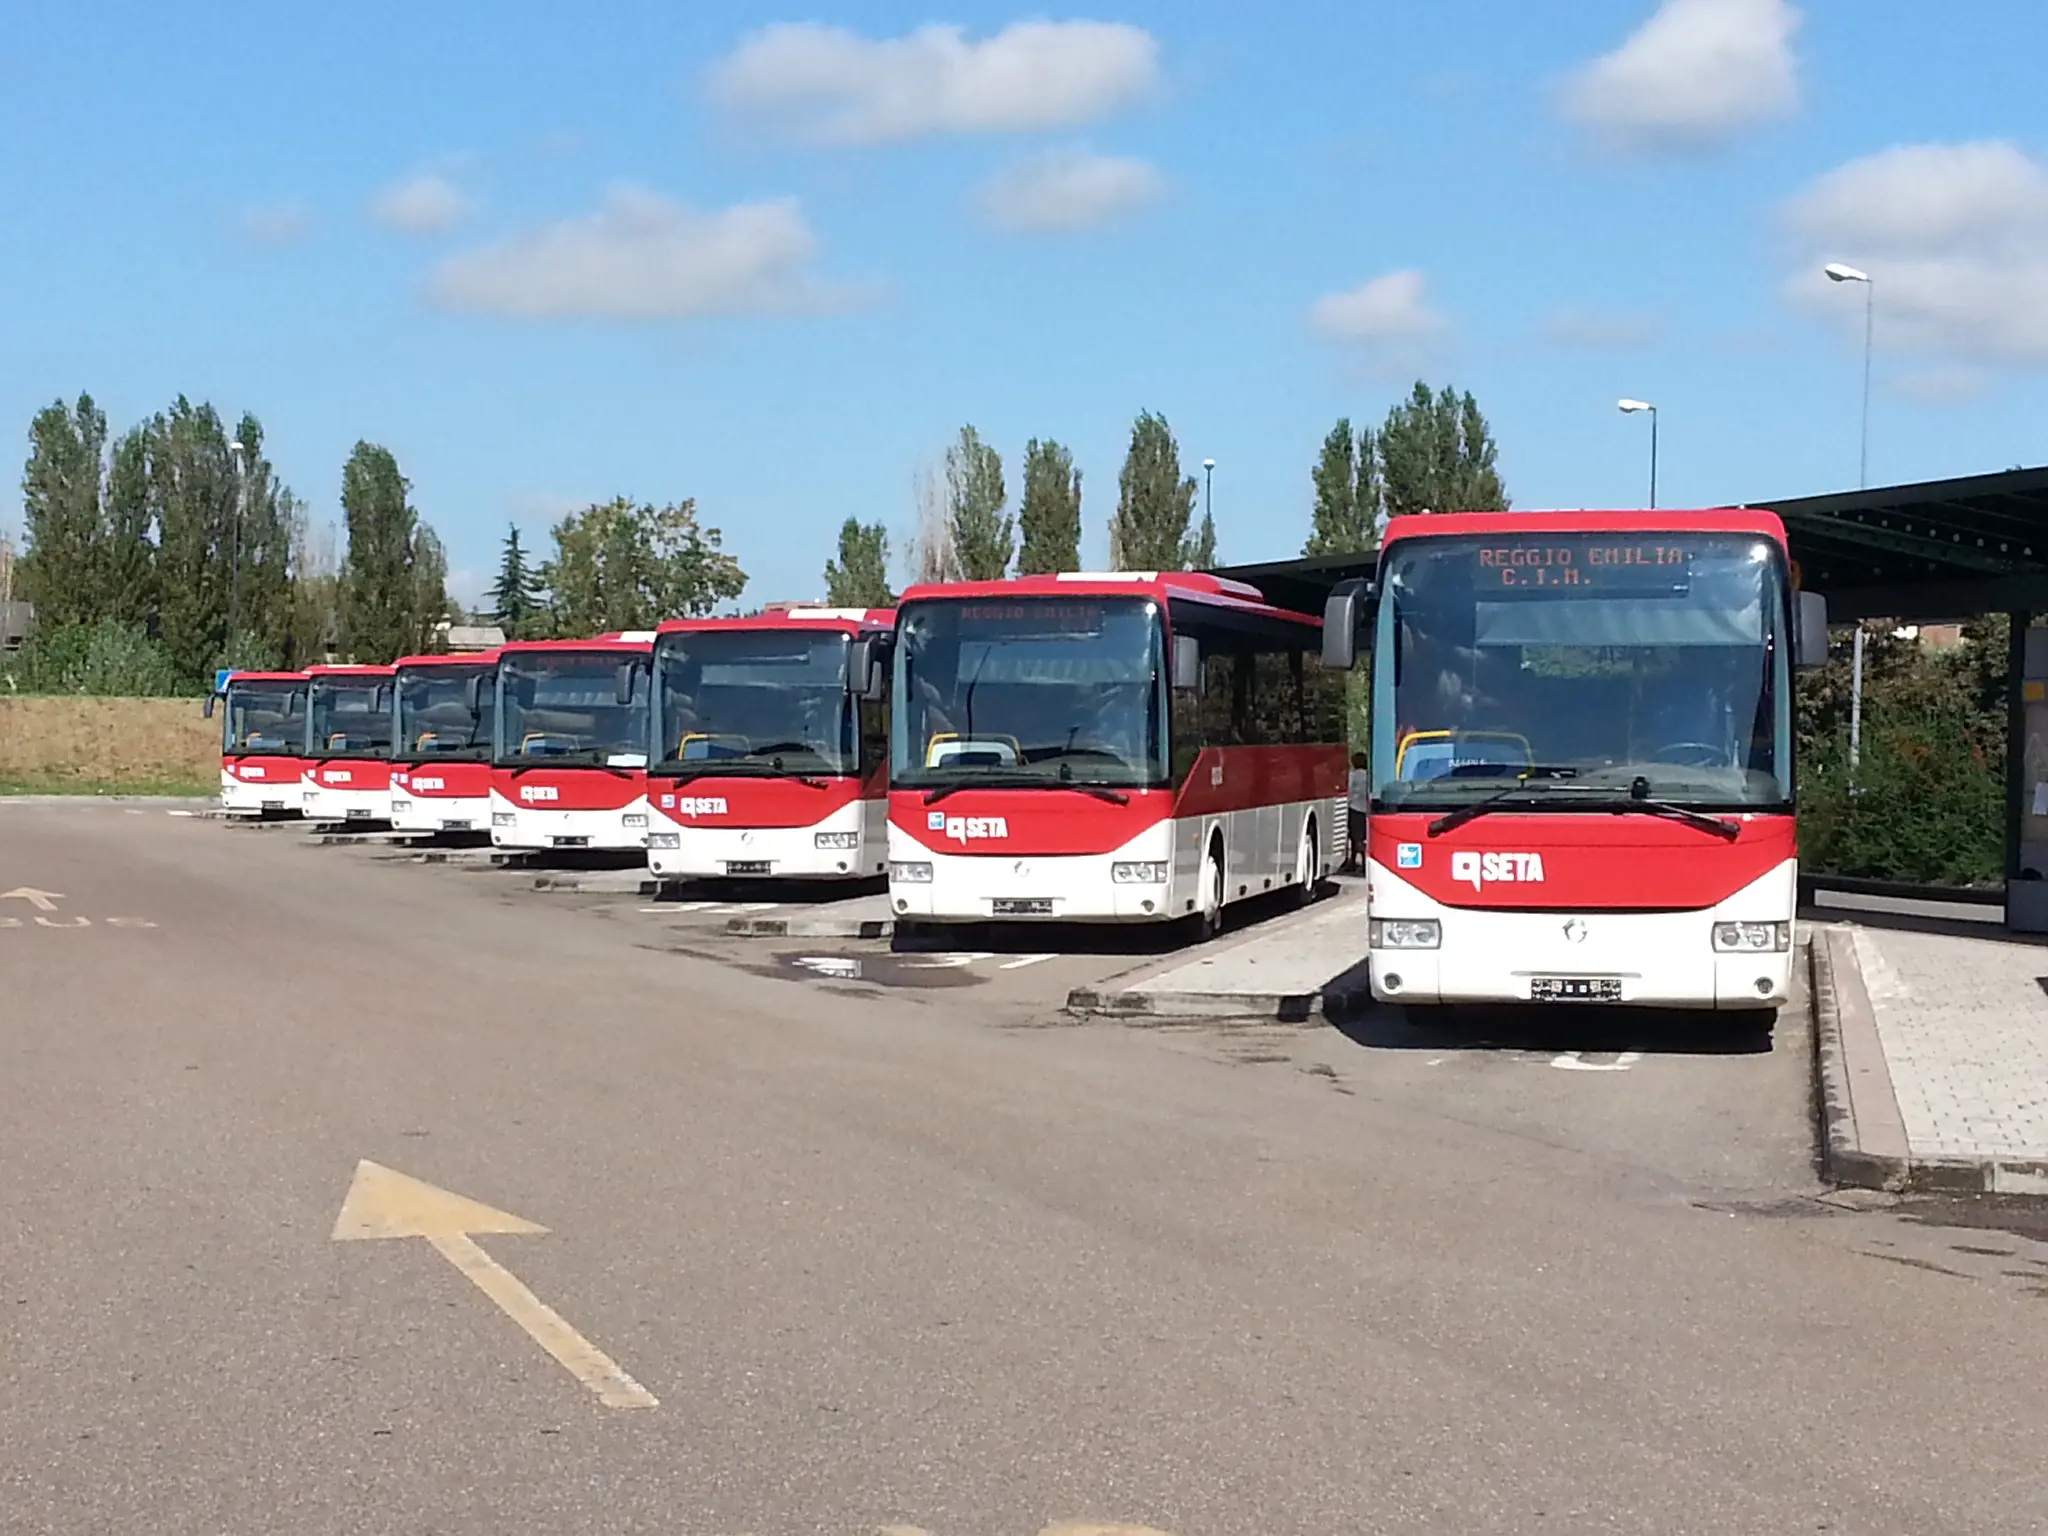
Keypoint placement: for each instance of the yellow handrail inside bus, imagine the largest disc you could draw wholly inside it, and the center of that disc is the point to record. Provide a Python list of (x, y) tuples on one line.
[(1415, 737), (943, 738)]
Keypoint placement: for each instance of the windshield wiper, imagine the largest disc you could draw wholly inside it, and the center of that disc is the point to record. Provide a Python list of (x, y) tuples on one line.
[(1640, 803), (1026, 781), (1450, 821), (737, 768)]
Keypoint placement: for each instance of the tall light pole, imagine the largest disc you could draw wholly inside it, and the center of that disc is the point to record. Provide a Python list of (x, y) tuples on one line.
[(1841, 272), (1208, 471), (1629, 408), (240, 452)]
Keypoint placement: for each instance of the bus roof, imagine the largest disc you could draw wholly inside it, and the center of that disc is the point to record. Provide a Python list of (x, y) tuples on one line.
[(265, 677), (487, 658), (1694, 520), (850, 621), (1169, 587), (620, 640), (347, 669)]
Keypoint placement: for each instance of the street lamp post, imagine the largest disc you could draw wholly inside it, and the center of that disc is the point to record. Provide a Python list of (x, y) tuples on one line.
[(1208, 470), (1841, 272), (240, 453), (1629, 408)]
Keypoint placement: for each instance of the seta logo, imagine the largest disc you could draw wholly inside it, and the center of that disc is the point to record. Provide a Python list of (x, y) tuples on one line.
[(532, 792), (710, 805), (426, 784), (967, 829), (252, 773), (1476, 869), (343, 777)]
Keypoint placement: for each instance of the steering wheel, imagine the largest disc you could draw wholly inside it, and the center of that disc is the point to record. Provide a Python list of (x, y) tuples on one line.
[(1691, 754)]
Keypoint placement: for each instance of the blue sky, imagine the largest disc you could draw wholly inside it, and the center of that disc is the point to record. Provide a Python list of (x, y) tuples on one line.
[(550, 254)]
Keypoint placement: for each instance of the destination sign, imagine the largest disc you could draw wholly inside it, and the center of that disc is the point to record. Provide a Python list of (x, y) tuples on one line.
[(1641, 568)]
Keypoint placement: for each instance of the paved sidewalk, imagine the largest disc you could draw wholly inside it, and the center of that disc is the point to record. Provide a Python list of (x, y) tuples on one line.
[(1934, 1057)]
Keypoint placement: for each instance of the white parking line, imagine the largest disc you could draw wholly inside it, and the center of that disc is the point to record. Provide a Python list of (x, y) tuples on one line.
[(1571, 1062), (945, 962), (842, 966), (1021, 961)]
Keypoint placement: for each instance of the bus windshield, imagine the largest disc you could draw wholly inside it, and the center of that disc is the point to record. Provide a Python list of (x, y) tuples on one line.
[(265, 719), (767, 701), (1563, 667), (351, 717), (444, 714), (575, 708), (1019, 690)]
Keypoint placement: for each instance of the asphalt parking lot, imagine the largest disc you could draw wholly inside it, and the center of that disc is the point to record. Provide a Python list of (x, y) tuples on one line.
[(350, 1192)]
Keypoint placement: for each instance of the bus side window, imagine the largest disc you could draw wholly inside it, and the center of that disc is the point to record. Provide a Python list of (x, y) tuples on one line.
[(874, 733)]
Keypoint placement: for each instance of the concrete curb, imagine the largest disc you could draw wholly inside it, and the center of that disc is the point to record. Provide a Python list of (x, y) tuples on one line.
[(1167, 1007), (811, 927), (1863, 1141)]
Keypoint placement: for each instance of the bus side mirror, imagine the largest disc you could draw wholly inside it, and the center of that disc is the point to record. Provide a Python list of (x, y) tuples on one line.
[(1810, 637), (867, 670), (473, 693), (622, 683), (1343, 615), (1187, 664), (209, 705)]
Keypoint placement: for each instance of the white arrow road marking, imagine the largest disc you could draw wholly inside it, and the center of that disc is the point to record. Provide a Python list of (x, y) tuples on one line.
[(1570, 1062), (831, 965), (42, 901), (946, 962), (1022, 961)]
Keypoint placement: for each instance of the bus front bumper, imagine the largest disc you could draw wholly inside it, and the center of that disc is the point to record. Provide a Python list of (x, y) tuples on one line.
[(1734, 955), (1135, 884), (321, 802), (256, 798), (523, 827), (834, 848), (440, 813)]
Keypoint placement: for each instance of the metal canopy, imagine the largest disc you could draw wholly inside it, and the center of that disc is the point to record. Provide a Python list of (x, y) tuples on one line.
[(1942, 549)]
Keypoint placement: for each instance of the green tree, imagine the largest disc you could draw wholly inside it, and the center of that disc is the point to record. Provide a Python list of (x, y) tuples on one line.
[(61, 570), (1154, 503), (859, 577), (392, 578), (1347, 488), (128, 585), (192, 487), (259, 557), (315, 632), (1049, 520), (984, 538), (622, 566), (1437, 454), (1200, 552), (515, 598)]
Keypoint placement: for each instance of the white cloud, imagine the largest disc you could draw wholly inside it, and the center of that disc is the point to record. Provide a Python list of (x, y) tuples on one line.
[(642, 257), (1944, 384), (1596, 330), (1067, 189), (832, 84), (1955, 239), (1393, 307), (276, 224), (1695, 73), (426, 204)]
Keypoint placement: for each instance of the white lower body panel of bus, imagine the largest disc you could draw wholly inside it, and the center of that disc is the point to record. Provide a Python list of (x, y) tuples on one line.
[(323, 802), (1735, 954), (849, 844), (440, 813), (523, 827), (254, 798)]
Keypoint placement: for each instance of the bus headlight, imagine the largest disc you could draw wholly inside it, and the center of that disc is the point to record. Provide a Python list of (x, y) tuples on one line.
[(837, 840), (1752, 938), (1404, 933), (401, 807), (633, 819), (1138, 874), (664, 840), (504, 818), (919, 873)]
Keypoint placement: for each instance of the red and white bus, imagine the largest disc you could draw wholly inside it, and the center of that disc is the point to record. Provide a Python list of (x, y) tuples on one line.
[(348, 744), (441, 742), (569, 764), (1135, 747), (262, 742), (1582, 756), (769, 761)]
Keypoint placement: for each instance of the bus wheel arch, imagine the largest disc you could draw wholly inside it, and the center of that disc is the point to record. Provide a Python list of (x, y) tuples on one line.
[(1308, 862), (1209, 915)]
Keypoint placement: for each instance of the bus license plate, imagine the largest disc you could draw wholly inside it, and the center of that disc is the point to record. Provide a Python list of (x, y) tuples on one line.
[(356, 813), (746, 866), (1575, 989), (455, 826), (273, 805), (570, 842), (1022, 906)]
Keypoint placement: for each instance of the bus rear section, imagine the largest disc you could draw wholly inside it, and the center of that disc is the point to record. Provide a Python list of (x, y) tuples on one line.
[(1125, 748), (441, 743), (348, 756), (569, 764), (263, 742), (770, 762), (1582, 758)]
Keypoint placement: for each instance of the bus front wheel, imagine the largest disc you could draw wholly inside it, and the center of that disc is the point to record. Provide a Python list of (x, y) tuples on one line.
[(1209, 921)]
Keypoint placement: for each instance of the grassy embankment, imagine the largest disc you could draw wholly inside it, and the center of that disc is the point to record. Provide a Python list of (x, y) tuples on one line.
[(80, 746)]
